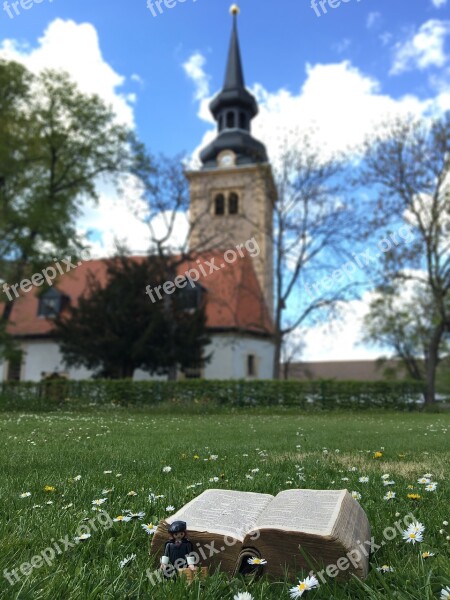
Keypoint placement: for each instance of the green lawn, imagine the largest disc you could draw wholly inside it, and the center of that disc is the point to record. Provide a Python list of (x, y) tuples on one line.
[(331, 450)]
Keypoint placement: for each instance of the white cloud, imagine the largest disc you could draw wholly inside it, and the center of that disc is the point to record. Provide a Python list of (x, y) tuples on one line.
[(343, 104), (438, 3), (373, 18), (193, 68), (423, 49), (74, 48)]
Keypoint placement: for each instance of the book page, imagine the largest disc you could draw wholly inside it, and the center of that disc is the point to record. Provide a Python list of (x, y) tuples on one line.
[(309, 511), (223, 511)]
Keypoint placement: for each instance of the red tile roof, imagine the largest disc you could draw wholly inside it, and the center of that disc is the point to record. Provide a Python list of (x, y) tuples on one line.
[(234, 297)]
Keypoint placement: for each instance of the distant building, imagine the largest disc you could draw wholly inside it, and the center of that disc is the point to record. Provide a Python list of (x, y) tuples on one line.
[(355, 370), (232, 198)]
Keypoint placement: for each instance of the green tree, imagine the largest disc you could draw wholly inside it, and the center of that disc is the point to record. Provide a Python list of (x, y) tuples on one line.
[(116, 328), (56, 144), (407, 168)]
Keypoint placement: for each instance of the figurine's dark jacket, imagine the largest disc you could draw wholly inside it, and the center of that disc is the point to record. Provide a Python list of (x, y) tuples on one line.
[(175, 552)]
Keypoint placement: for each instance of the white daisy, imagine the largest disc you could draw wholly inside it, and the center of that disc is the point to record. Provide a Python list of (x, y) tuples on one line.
[(107, 472), (149, 528), (214, 479), (416, 527), (445, 593), (77, 478), (36, 506), (99, 501), (424, 480), (304, 586), (363, 480), (428, 475), (132, 493), (214, 457), (138, 515), (123, 563), (25, 494), (256, 561), (83, 537), (356, 495), (412, 536), (385, 476), (431, 487), (389, 496), (170, 508), (121, 518), (166, 469), (243, 596), (427, 554), (385, 569)]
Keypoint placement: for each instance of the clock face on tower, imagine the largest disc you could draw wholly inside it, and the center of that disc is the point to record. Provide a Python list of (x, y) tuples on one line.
[(227, 158)]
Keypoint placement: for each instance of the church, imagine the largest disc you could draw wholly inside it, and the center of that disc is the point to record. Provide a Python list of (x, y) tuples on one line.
[(232, 197)]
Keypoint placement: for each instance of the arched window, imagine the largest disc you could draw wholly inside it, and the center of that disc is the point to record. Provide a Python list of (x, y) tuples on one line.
[(230, 119), (242, 121), (219, 205), (233, 204)]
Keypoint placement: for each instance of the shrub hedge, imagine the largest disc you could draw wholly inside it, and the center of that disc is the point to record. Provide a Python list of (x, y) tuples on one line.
[(321, 394)]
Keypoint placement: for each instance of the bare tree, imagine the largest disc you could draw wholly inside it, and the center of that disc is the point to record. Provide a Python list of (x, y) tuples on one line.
[(312, 225), (407, 168)]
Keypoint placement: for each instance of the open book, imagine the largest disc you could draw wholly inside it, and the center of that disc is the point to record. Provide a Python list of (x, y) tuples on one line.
[(295, 530)]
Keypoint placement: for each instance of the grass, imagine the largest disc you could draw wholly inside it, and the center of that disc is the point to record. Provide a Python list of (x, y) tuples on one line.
[(51, 449)]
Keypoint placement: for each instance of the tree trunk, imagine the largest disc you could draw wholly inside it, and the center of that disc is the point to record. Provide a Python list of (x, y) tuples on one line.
[(432, 363), (277, 355)]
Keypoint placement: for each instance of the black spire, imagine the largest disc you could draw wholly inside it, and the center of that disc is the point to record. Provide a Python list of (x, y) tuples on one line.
[(233, 109)]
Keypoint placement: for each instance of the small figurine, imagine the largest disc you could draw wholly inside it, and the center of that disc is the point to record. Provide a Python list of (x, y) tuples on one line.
[(178, 551)]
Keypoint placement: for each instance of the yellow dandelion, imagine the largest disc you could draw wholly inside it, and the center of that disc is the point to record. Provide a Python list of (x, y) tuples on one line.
[(49, 488), (414, 496), (378, 455)]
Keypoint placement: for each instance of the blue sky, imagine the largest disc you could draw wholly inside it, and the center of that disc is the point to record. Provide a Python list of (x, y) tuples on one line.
[(342, 73)]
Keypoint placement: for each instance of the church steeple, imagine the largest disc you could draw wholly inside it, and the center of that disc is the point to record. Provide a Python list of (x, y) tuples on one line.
[(233, 109)]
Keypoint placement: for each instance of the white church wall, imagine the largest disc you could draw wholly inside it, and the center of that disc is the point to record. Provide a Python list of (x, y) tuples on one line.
[(230, 352)]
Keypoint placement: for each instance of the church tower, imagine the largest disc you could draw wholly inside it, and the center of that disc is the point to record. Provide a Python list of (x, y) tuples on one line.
[(233, 194)]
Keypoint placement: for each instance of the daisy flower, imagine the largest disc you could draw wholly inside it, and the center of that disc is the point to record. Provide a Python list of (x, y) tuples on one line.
[(25, 494), (213, 479), (49, 502), (83, 537), (215, 457), (416, 527), (99, 501), (385, 476), (121, 518), (431, 487), (36, 506), (126, 561), (386, 482), (149, 528), (107, 472), (445, 593), (427, 554), (356, 495), (166, 469), (385, 569), (170, 508), (423, 480), (243, 596), (363, 480), (77, 478), (132, 493), (428, 475), (304, 586), (256, 561), (412, 536), (138, 515), (389, 496)]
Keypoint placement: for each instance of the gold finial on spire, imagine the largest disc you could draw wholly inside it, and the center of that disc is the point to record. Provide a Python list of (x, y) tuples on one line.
[(235, 10)]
